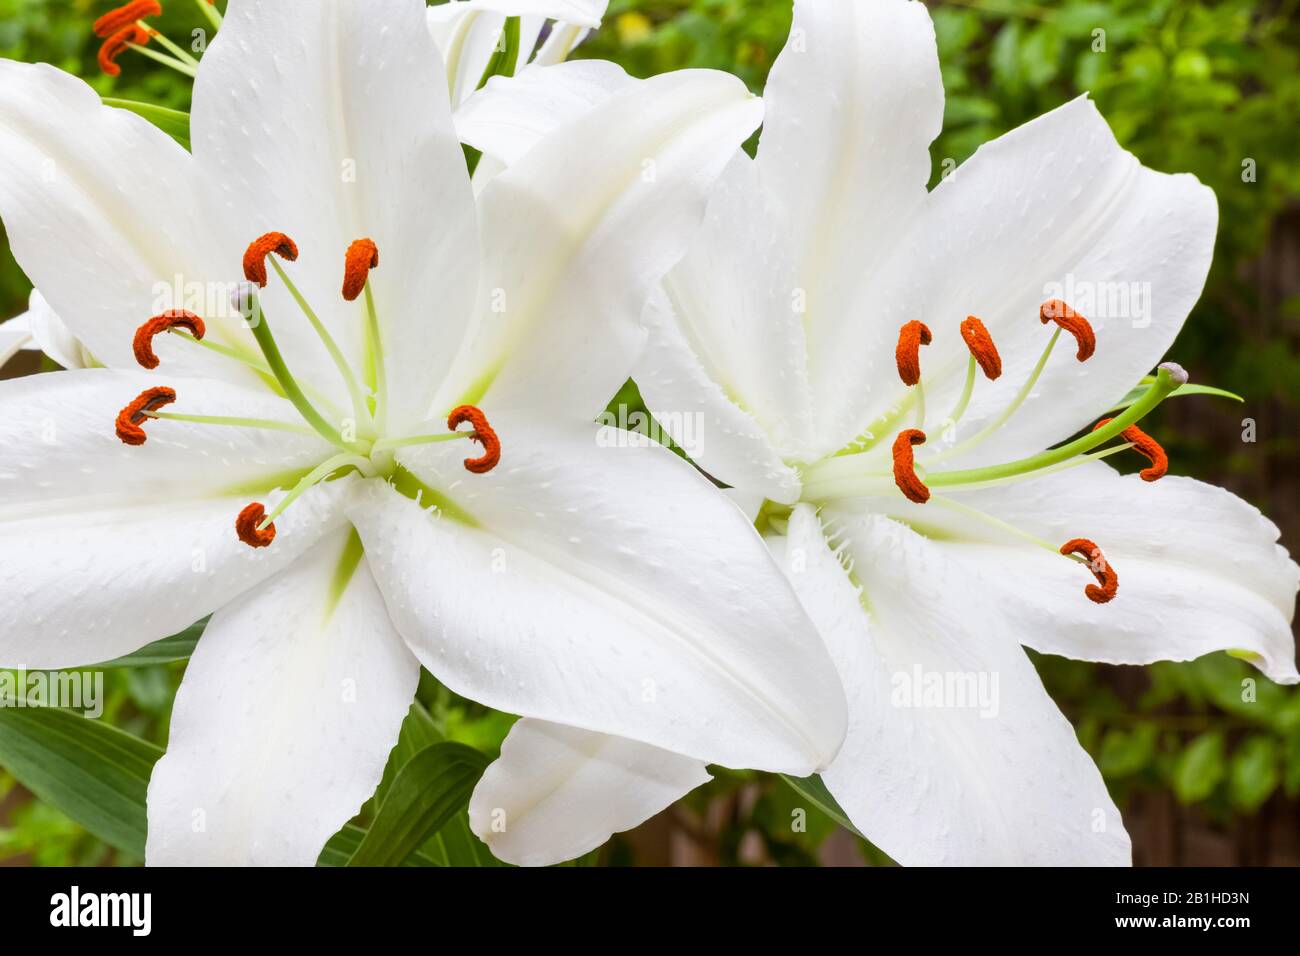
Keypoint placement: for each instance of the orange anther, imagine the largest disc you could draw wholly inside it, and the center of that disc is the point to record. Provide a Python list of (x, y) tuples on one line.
[(483, 434), (261, 247), (1098, 565), (116, 45), (912, 487), (1145, 445), (981, 346), (1057, 311), (246, 526), (911, 337), (125, 16), (173, 318), (132, 417), (362, 256)]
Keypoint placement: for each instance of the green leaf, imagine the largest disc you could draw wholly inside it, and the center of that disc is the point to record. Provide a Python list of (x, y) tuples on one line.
[(1180, 391), (1253, 775), (178, 647), (418, 732), (96, 774), (428, 792), (174, 123), (814, 790), (343, 844), (1199, 768)]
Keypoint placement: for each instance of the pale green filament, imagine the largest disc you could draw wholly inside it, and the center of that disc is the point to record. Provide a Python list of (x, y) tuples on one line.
[(262, 370), (179, 66), (999, 524), (314, 477), (388, 443), (960, 408), (211, 12), (377, 357), (267, 423), (181, 53), (920, 403), (1010, 410), (359, 406)]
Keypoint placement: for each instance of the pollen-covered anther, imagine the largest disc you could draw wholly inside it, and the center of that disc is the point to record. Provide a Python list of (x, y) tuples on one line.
[(1145, 445), (362, 256), (1098, 565), (261, 247), (125, 16), (1054, 310), (247, 527), (171, 319), (117, 44), (912, 487), (132, 417), (981, 346), (483, 434), (911, 337)]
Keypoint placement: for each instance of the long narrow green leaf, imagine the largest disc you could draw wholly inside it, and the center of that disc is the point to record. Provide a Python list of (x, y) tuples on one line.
[(418, 732), (178, 647), (428, 791), (344, 843), (174, 123), (814, 791), (96, 774)]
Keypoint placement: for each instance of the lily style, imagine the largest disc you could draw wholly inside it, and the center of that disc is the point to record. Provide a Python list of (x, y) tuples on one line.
[(347, 408), (914, 393)]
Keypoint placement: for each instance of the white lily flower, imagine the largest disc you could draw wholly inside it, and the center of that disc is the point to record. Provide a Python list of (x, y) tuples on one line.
[(789, 327), (610, 590), (470, 33), (39, 329)]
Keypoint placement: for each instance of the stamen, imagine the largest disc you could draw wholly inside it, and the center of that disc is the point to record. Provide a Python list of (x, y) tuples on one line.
[(117, 44), (912, 487), (1098, 565), (246, 526), (126, 15), (483, 434), (132, 417), (257, 251), (1057, 311), (361, 257), (911, 337), (143, 344), (1145, 445), (981, 347)]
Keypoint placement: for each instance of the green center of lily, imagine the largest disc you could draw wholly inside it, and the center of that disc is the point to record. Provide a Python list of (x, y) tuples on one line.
[(363, 443)]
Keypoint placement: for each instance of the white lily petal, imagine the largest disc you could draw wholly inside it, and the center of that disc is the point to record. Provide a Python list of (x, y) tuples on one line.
[(687, 402), (331, 122), (264, 769), (511, 115), (585, 13), (1054, 209), (577, 233), (558, 792), (994, 778), (853, 102), (608, 588), (104, 547), (53, 337), (15, 335), (1200, 570), (735, 302), (70, 166)]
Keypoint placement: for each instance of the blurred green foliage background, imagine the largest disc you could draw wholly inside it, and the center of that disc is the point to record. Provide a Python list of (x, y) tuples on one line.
[(1203, 757)]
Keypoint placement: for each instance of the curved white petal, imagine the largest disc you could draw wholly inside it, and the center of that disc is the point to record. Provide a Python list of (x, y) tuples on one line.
[(330, 122), (1054, 209), (511, 115), (688, 403), (987, 772), (608, 588), (52, 336), (284, 721), (15, 335), (853, 102), (1199, 569), (104, 547), (558, 792), (580, 229), (103, 212)]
